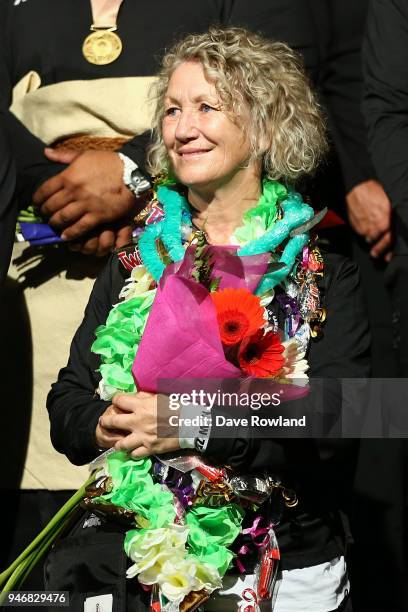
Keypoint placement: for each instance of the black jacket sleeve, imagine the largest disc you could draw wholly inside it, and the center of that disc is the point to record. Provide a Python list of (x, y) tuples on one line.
[(137, 148), (73, 406), (8, 203), (340, 28), (386, 104), (342, 352), (32, 167)]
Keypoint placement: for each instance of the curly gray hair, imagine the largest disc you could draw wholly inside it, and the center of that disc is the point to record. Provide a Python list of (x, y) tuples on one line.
[(252, 73)]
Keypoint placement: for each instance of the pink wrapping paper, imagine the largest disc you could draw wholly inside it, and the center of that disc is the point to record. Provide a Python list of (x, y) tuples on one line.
[(181, 338)]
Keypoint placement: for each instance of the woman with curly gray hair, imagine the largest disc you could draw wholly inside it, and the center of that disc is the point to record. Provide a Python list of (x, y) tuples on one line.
[(234, 115), (257, 83)]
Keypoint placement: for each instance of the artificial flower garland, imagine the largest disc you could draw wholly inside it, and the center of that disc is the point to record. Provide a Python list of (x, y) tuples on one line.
[(178, 554)]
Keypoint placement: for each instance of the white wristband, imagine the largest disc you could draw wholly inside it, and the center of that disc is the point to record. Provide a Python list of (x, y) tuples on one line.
[(128, 166), (194, 436), (133, 178)]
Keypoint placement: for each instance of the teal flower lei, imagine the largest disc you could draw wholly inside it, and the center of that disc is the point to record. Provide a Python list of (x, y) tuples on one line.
[(296, 213)]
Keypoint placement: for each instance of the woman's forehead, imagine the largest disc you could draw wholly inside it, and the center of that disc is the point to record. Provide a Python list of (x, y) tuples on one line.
[(189, 81)]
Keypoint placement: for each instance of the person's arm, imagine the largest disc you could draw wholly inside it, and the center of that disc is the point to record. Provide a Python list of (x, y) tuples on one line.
[(8, 202), (32, 167), (386, 103), (73, 406), (88, 199), (342, 352), (78, 193), (341, 84)]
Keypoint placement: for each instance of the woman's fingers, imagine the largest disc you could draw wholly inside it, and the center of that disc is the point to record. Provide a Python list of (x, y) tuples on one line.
[(136, 414), (121, 422), (131, 442), (106, 438), (106, 433), (140, 453), (142, 445), (131, 402)]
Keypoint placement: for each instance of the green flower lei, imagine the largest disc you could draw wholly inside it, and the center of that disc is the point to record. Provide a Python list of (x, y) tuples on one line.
[(210, 530)]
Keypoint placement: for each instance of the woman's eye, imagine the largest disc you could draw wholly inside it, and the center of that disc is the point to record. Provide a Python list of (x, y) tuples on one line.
[(206, 108), (172, 111)]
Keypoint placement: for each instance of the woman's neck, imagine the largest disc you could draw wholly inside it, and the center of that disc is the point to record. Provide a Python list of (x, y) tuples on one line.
[(219, 211)]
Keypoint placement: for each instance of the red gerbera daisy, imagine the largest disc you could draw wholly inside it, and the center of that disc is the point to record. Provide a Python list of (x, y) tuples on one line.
[(261, 355), (239, 314)]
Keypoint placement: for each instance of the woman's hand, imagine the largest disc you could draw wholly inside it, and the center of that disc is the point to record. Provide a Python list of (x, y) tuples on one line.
[(135, 416), (106, 435)]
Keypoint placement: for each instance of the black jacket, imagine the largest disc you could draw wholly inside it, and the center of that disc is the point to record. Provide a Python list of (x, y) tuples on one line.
[(386, 105), (318, 469), (328, 34)]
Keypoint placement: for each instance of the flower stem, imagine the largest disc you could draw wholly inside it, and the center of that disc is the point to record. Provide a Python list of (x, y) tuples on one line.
[(48, 533)]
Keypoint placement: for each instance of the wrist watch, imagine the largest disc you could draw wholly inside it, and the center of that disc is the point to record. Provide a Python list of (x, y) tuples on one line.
[(133, 177)]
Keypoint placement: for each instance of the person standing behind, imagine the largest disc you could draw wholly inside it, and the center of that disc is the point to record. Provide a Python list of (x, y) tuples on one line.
[(386, 113), (385, 108), (65, 77), (329, 34)]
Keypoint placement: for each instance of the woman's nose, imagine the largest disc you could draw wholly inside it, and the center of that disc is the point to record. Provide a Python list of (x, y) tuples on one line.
[(187, 128)]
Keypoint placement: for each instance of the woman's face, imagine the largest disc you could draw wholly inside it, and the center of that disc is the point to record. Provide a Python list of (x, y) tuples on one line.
[(205, 147)]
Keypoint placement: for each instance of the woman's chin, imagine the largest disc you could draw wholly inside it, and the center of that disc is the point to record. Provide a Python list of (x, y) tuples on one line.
[(196, 180)]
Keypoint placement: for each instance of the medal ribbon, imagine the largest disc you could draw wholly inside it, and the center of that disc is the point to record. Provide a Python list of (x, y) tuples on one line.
[(105, 13)]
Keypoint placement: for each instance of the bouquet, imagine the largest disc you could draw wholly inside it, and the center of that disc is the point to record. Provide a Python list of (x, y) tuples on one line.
[(206, 322)]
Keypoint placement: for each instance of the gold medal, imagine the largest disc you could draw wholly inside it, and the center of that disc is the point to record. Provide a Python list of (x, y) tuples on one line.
[(102, 47)]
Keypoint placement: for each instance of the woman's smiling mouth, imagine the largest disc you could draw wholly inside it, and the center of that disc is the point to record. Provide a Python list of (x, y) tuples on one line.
[(192, 153)]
